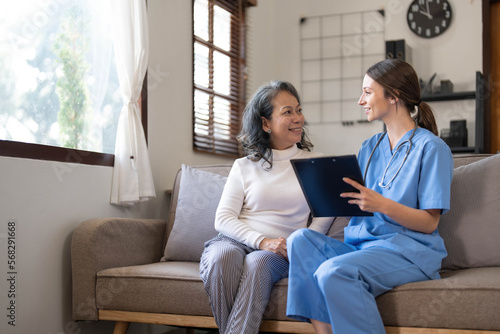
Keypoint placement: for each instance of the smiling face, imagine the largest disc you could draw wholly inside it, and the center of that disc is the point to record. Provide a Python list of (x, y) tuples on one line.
[(374, 102), (286, 121)]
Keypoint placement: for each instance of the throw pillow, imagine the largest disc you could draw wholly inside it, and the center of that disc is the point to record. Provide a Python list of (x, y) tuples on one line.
[(471, 228), (199, 196)]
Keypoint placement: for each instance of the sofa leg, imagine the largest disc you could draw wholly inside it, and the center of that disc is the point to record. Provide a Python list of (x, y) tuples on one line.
[(121, 327)]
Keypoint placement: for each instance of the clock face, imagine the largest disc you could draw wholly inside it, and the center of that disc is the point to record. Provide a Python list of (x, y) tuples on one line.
[(429, 18)]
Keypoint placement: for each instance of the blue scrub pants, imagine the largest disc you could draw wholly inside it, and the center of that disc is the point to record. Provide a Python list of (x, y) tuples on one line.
[(337, 283)]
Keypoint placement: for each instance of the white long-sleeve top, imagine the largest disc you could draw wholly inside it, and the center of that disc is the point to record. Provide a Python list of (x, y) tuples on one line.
[(257, 203)]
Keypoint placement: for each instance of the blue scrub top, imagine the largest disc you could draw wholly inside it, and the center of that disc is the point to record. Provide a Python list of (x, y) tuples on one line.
[(423, 182)]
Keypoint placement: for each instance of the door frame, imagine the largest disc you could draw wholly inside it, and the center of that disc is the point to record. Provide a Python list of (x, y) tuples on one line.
[(487, 59)]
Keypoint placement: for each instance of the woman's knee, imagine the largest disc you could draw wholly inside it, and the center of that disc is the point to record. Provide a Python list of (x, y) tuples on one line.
[(218, 259), (263, 260), (307, 243), (265, 265), (224, 252), (300, 238), (298, 235), (333, 273)]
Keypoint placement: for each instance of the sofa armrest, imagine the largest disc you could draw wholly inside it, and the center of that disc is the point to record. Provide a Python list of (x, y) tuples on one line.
[(99, 244)]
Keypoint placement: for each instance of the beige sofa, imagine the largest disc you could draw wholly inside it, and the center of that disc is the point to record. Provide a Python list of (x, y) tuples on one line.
[(139, 270)]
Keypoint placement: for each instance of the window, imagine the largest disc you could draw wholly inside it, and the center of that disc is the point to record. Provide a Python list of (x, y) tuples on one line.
[(218, 75), (59, 88)]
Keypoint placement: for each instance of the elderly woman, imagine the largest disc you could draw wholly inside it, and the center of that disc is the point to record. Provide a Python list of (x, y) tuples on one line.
[(262, 204)]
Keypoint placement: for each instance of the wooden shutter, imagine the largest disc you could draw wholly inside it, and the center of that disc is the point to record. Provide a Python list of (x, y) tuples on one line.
[(218, 75)]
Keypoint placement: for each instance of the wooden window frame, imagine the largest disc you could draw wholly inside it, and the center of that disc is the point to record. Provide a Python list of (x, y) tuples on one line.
[(208, 143)]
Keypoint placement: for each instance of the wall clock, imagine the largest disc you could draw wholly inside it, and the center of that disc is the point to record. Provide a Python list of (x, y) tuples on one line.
[(429, 18)]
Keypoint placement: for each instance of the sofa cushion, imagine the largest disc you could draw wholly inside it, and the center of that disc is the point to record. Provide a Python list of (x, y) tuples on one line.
[(467, 298), (461, 299), (199, 195), (173, 287), (471, 229)]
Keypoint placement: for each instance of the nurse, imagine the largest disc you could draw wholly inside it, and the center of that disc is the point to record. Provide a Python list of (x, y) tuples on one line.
[(408, 172)]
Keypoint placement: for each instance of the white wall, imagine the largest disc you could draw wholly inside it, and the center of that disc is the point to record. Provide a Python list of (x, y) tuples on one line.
[(48, 199), (456, 56)]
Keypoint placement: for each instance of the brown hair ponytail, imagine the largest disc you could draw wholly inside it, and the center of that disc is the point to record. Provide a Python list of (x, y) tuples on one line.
[(425, 118), (399, 80)]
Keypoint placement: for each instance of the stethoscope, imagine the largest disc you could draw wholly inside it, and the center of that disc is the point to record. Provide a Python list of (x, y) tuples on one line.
[(381, 183)]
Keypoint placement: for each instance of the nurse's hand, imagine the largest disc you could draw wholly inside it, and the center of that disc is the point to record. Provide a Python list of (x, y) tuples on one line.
[(277, 246), (367, 199), (425, 221)]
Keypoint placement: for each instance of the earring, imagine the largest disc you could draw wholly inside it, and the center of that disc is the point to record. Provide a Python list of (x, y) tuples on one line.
[(269, 131), (392, 102)]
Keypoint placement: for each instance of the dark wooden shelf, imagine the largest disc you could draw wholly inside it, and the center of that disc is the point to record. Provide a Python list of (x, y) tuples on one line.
[(450, 97), (479, 96), (462, 149)]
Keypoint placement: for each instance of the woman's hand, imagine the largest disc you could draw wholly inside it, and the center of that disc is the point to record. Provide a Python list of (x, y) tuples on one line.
[(425, 221), (368, 200), (277, 246)]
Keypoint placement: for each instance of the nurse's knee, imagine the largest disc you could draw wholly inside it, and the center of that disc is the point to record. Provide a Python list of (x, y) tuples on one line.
[(297, 234), (331, 274), (300, 237)]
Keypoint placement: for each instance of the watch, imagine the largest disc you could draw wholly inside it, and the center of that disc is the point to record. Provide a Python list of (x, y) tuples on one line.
[(429, 18)]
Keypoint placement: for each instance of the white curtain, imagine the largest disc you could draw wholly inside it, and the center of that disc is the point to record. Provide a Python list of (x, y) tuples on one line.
[(132, 177)]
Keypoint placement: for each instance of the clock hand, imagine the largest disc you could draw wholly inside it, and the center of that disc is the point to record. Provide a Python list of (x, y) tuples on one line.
[(426, 14)]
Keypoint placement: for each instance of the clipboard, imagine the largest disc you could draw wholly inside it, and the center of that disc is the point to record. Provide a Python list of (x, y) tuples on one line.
[(321, 182)]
